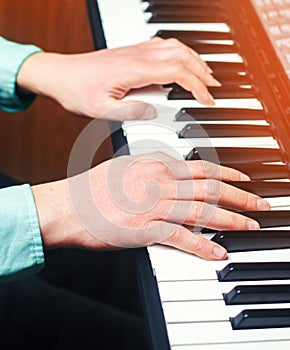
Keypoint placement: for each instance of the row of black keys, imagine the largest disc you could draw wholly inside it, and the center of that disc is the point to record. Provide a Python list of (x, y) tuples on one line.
[(186, 11), (258, 294), (253, 161), (234, 76)]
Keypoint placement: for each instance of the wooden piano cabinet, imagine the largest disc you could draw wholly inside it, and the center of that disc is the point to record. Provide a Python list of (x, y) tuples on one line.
[(35, 144)]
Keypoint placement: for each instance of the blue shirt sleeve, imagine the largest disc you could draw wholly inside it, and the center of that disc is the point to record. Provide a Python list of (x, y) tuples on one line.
[(21, 251), (12, 55)]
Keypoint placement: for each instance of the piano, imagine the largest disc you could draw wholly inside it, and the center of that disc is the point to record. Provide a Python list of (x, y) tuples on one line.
[(242, 303)]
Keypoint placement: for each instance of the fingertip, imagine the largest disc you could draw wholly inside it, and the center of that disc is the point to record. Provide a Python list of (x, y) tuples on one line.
[(244, 177), (253, 225), (205, 98), (149, 112), (263, 205), (219, 252)]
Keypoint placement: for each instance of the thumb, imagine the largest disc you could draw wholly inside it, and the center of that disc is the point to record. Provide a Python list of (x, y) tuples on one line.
[(128, 110)]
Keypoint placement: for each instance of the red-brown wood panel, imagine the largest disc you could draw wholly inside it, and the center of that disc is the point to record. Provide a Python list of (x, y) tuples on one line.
[(35, 144)]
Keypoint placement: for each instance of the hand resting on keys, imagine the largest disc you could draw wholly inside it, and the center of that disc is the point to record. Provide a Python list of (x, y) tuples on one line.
[(92, 84), (135, 201)]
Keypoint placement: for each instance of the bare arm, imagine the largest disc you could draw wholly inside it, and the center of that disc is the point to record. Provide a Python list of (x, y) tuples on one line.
[(92, 84)]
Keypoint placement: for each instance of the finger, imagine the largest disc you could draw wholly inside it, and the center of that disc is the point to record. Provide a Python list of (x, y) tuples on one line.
[(176, 48), (200, 169), (119, 110), (190, 82), (213, 192), (200, 214), (182, 239), (198, 67)]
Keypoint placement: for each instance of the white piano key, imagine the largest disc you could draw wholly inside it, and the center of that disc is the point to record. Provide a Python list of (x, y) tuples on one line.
[(269, 345), (203, 290), (169, 264), (208, 310), (172, 140), (125, 24), (221, 332)]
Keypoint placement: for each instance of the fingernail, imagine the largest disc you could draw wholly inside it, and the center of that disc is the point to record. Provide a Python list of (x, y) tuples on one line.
[(149, 113), (209, 99), (262, 205), (219, 252), (244, 177), (209, 70), (217, 83), (253, 225), (213, 82)]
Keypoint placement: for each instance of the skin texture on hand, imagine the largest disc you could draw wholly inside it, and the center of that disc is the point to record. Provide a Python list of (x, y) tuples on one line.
[(92, 84), (143, 200)]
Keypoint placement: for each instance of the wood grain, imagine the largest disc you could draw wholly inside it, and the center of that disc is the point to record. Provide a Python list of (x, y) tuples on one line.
[(35, 144)]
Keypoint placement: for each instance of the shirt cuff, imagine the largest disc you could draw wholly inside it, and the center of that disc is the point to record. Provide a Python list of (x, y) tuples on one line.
[(21, 250), (12, 56)]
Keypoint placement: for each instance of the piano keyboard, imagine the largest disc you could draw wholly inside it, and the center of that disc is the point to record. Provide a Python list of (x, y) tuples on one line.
[(243, 130)]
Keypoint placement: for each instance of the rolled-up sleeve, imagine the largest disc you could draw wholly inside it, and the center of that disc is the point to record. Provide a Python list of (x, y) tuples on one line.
[(21, 250), (12, 55)]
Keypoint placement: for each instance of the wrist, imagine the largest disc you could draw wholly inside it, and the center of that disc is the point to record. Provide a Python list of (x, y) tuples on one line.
[(58, 224), (39, 74)]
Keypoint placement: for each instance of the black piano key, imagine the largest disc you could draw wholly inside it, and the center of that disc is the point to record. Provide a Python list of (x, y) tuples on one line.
[(258, 171), (232, 78), (188, 36), (261, 318), (227, 67), (235, 155), (196, 42), (211, 48), (224, 130), (184, 2), (228, 91), (243, 241), (183, 8), (272, 218), (188, 17), (181, 3), (258, 294), (206, 114), (264, 189), (260, 271)]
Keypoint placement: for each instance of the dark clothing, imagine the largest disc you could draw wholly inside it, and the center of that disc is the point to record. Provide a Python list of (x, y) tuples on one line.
[(80, 300)]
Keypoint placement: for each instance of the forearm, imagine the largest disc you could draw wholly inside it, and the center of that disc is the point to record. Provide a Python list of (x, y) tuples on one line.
[(59, 217), (41, 73)]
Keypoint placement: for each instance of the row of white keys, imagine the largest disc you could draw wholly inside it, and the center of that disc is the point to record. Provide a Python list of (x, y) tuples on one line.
[(128, 27), (125, 23), (114, 14), (198, 317)]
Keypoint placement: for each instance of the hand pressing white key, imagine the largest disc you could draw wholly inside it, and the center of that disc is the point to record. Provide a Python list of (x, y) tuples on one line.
[(144, 200), (92, 84)]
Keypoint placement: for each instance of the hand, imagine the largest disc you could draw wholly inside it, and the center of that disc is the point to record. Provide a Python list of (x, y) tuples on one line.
[(93, 84), (144, 200)]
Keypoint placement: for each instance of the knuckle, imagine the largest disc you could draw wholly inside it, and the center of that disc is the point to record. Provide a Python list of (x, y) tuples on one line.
[(198, 244), (234, 221), (199, 212), (244, 200), (177, 237), (173, 42), (213, 189)]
